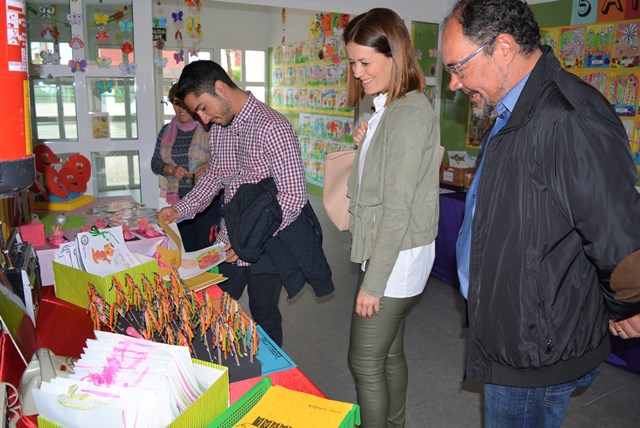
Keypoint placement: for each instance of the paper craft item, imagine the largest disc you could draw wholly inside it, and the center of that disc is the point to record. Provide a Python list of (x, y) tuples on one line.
[(192, 263), (121, 381), (204, 280), (103, 252), (283, 407), (458, 159)]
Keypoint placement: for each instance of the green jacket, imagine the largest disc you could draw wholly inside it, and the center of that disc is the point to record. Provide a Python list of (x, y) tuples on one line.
[(398, 206)]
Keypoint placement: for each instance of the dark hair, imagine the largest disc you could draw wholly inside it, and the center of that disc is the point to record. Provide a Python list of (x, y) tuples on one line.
[(483, 19), (383, 30), (171, 95), (200, 77)]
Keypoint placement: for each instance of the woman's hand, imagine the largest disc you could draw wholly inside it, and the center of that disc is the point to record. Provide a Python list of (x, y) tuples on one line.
[(178, 172), (367, 305), (358, 137), (200, 170)]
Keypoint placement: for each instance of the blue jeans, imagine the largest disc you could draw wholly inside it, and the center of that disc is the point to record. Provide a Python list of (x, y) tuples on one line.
[(544, 407)]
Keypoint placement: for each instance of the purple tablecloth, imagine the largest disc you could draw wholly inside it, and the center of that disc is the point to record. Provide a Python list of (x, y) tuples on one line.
[(624, 353), (451, 215)]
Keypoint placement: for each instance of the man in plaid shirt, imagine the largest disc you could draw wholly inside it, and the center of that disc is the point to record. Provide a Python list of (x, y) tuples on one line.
[(249, 141)]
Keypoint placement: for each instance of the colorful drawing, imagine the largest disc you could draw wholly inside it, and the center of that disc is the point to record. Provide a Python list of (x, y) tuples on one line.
[(551, 37), (599, 80), (598, 45), (623, 92), (571, 50), (635, 144), (626, 48)]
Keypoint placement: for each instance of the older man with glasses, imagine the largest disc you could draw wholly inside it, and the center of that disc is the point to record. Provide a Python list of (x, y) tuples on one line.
[(549, 250)]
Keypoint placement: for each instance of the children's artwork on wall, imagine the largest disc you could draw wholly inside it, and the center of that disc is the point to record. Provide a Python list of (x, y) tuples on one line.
[(623, 92), (599, 80), (635, 143), (424, 37), (476, 128), (571, 50), (551, 38), (598, 45), (626, 48)]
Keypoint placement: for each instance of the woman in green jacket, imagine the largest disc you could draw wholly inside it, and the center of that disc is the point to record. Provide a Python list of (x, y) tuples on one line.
[(393, 189)]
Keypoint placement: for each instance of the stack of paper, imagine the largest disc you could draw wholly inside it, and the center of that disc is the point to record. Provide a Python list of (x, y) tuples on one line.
[(121, 381), (99, 252)]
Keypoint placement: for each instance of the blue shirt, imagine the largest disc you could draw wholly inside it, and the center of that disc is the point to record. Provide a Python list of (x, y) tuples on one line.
[(463, 245)]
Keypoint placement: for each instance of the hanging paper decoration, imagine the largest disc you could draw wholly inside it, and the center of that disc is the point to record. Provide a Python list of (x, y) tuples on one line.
[(160, 44), (194, 52), (47, 12), (160, 62), (125, 26), (102, 35), (101, 18), (196, 4), (179, 56), (283, 18), (160, 22), (76, 42), (78, 65), (75, 18), (104, 86), (49, 57), (103, 61), (128, 68), (126, 47), (194, 28), (177, 16), (50, 33)]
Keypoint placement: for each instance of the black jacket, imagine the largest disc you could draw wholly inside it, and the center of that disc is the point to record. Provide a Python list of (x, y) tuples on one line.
[(252, 217), (557, 210)]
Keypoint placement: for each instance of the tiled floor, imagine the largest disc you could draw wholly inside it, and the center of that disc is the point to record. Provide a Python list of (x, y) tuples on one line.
[(316, 336)]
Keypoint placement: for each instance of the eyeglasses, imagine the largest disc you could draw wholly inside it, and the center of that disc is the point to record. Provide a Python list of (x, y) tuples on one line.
[(455, 68)]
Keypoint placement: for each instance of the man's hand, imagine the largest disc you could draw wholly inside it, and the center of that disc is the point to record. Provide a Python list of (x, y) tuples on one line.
[(627, 328), (168, 214), (232, 257)]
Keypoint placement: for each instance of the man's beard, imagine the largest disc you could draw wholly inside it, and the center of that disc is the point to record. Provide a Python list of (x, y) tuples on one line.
[(487, 109)]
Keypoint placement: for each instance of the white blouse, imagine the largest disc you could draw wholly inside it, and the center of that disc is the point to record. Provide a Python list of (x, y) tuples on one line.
[(413, 266)]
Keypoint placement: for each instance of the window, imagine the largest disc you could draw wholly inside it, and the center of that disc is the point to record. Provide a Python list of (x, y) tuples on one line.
[(117, 173), (247, 68), (171, 74), (54, 107)]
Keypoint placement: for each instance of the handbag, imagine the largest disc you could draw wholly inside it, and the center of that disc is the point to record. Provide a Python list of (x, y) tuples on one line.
[(337, 166)]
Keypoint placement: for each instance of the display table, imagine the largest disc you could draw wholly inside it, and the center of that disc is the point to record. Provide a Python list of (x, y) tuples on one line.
[(64, 328), (451, 215), (144, 246)]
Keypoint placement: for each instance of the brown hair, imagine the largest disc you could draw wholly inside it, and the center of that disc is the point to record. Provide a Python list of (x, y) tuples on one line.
[(173, 98), (383, 30)]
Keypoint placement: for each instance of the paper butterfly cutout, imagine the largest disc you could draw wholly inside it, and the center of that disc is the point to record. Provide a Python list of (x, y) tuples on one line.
[(76, 42), (101, 18), (78, 65), (193, 23), (418, 54), (49, 57), (104, 86), (160, 62), (102, 35), (46, 11), (160, 22), (179, 56), (126, 47), (160, 43), (74, 18), (128, 68), (125, 26), (177, 16), (103, 61), (433, 53), (194, 52)]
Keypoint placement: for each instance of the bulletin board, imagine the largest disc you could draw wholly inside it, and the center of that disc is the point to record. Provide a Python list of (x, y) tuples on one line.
[(607, 56), (309, 86)]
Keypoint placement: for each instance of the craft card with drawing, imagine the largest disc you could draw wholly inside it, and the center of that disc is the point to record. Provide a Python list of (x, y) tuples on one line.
[(103, 252)]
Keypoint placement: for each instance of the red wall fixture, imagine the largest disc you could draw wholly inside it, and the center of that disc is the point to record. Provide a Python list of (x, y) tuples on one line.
[(17, 163)]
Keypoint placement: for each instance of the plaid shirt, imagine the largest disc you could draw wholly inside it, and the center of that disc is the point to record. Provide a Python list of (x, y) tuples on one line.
[(257, 144)]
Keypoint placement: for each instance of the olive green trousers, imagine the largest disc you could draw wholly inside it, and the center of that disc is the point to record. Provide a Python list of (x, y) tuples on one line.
[(378, 363)]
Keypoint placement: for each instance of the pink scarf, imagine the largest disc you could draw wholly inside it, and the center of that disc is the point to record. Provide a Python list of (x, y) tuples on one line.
[(198, 154)]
